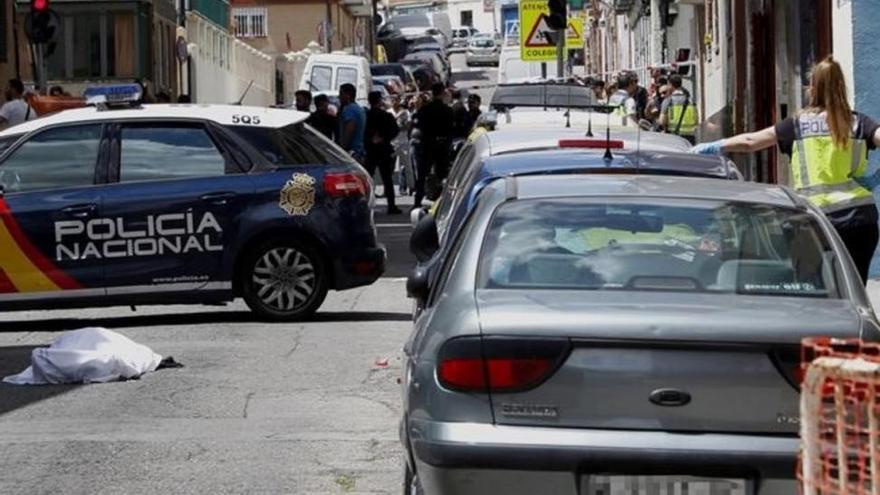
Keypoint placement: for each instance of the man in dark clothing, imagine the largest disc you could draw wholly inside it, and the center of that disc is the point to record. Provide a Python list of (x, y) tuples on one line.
[(460, 127), (434, 121), (641, 97), (473, 109), (321, 119), (303, 100), (380, 131)]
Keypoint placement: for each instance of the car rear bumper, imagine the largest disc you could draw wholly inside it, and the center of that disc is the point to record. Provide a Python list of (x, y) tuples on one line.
[(364, 268), (482, 58), (467, 458)]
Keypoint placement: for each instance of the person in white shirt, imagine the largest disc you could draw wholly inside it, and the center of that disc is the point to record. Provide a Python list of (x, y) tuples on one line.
[(16, 110)]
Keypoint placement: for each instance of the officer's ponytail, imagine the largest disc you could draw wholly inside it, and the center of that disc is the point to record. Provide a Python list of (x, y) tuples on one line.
[(828, 94)]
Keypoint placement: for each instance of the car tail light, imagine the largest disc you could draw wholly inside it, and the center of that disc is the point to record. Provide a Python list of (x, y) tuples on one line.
[(344, 184), (499, 364), (601, 144)]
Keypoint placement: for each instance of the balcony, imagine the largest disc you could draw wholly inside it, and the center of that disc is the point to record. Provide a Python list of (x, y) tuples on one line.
[(217, 11)]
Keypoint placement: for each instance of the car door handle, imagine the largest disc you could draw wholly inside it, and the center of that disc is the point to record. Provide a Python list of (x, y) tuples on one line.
[(79, 211), (218, 198)]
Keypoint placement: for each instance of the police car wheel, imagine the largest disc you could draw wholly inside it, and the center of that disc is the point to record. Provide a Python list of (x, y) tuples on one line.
[(284, 280)]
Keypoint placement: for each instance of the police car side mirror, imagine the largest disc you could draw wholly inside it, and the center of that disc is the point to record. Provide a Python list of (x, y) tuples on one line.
[(425, 240)]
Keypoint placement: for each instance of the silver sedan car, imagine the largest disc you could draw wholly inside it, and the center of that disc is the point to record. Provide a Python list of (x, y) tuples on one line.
[(619, 335), (483, 50)]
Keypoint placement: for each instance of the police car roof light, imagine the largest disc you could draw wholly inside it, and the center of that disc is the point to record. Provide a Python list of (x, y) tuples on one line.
[(114, 95)]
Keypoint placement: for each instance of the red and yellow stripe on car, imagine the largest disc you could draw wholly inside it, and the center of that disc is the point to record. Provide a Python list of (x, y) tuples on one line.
[(23, 268)]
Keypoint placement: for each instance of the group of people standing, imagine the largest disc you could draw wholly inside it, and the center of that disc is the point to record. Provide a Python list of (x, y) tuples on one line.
[(414, 135), (666, 107)]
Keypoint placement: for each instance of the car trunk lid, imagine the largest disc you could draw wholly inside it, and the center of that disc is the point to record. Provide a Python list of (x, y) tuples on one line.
[(648, 361)]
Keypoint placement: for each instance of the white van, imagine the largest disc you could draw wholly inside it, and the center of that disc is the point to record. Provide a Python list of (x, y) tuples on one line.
[(325, 72)]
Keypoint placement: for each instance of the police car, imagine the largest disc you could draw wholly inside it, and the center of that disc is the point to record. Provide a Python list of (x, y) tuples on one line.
[(156, 204)]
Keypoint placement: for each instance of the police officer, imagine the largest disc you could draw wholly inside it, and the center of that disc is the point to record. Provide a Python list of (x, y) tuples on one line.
[(828, 144), (678, 114)]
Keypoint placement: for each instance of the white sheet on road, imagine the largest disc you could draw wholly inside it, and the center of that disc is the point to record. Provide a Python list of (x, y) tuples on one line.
[(88, 355)]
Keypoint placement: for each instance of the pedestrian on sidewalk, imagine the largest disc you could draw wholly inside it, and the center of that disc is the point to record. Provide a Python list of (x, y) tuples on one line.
[(828, 144), (381, 130), (352, 121), (16, 110), (402, 145)]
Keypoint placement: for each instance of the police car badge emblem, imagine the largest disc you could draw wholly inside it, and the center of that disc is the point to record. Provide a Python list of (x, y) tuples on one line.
[(298, 195)]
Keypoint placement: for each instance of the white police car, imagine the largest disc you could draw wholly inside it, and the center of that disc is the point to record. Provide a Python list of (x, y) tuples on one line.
[(159, 204)]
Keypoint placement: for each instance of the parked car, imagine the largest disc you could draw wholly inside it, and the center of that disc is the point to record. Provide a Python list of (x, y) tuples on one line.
[(195, 204), (435, 49), (392, 84), (430, 60), (461, 36), (622, 333), (403, 72), (483, 50), (326, 72)]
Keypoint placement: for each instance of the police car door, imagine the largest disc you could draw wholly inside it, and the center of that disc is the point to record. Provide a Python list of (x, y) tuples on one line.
[(50, 202), (175, 194)]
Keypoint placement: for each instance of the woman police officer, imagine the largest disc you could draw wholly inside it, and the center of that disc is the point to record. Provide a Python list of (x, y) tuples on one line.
[(828, 145)]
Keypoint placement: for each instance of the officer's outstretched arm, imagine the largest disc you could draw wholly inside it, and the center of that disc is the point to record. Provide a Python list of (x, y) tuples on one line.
[(750, 141)]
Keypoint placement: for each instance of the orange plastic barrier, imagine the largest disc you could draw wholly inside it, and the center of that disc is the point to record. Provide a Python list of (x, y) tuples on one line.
[(840, 417)]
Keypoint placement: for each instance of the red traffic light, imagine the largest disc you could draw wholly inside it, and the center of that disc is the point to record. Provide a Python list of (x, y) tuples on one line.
[(39, 5)]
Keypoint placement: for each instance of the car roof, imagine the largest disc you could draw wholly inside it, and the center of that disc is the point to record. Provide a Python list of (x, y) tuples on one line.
[(561, 186), (339, 58), (221, 114), (569, 160), (509, 140)]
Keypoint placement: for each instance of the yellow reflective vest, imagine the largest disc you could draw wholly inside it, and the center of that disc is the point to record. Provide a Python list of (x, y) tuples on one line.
[(822, 171), (681, 109)]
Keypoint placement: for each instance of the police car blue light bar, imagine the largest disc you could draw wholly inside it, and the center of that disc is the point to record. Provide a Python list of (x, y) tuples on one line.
[(115, 94)]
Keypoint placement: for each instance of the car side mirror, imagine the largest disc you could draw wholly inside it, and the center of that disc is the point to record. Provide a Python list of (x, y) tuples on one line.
[(416, 215), (425, 240), (417, 286)]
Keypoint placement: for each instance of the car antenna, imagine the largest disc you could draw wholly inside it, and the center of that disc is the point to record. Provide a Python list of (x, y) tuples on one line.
[(638, 147), (248, 88), (608, 156)]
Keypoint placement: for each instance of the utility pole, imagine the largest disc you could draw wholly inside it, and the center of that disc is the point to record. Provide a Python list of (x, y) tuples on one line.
[(560, 53)]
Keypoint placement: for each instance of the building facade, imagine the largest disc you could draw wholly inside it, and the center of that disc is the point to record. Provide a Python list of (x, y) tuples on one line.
[(282, 26)]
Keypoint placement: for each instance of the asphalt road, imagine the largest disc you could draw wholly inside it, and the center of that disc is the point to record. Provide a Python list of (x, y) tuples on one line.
[(307, 408)]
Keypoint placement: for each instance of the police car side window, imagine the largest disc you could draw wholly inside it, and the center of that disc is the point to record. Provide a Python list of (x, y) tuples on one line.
[(159, 151), (53, 159), (294, 144)]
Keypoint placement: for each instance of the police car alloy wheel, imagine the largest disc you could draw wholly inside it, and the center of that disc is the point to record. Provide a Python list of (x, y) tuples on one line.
[(284, 280)]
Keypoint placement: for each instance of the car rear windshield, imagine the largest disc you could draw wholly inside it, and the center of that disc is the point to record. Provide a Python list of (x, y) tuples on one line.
[(483, 43), (386, 70), (667, 245), (295, 144)]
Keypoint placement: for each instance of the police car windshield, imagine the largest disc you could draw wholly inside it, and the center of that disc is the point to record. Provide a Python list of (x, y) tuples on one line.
[(296, 144)]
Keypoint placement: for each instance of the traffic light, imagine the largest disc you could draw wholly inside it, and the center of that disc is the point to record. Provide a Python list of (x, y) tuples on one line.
[(558, 18), (39, 25)]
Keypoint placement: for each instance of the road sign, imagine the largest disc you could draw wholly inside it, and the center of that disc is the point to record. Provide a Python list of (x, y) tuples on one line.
[(535, 36)]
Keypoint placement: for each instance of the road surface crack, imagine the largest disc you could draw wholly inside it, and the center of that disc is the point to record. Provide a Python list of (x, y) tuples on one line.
[(247, 402)]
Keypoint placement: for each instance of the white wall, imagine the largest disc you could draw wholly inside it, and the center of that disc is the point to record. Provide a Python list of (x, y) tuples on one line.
[(842, 32), (224, 66), (483, 21)]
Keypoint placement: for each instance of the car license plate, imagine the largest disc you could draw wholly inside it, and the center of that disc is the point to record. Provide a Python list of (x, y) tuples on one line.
[(604, 484)]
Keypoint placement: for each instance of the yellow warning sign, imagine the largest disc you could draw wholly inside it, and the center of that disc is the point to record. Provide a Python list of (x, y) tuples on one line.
[(535, 36)]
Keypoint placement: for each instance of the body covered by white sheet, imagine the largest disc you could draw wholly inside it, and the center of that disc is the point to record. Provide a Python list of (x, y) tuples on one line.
[(88, 355)]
